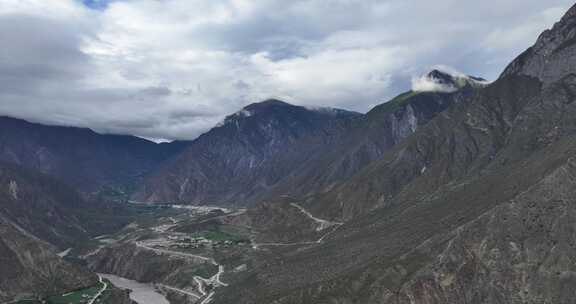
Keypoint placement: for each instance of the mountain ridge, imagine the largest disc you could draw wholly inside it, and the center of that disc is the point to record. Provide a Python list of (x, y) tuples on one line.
[(80, 156), (244, 154), (322, 156)]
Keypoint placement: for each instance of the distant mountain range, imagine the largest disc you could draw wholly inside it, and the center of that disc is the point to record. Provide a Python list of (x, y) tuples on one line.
[(82, 158)]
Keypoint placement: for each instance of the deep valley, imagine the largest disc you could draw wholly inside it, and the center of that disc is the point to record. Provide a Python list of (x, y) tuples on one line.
[(459, 190)]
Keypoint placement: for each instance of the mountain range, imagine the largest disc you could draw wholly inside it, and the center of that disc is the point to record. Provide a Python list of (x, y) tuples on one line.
[(273, 149), (475, 207), (82, 158), (459, 194)]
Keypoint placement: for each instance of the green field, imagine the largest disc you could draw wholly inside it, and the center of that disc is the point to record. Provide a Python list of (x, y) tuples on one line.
[(75, 297)]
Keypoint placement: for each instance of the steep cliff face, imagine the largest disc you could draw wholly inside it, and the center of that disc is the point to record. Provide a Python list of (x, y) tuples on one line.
[(81, 157), (475, 207), (248, 153)]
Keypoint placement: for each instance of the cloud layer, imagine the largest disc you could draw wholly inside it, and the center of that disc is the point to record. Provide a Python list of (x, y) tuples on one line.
[(174, 68)]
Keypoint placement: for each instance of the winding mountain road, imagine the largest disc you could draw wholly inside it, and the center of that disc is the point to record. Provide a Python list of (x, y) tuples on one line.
[(213, 281), (99, 293), (322, 225)]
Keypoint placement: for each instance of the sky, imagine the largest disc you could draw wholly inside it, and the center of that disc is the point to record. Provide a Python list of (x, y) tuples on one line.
[(172, 69)]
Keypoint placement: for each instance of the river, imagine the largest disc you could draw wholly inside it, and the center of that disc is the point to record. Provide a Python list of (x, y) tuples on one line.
[(141, 293)]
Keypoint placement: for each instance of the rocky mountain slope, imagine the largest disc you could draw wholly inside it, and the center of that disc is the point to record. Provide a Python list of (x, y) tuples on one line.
[(40, 216), (248, 153), (31, 268), (463, 195), (273, 149), (53, 211), (81, 157), (40, 205), (35, 209), (372, 135), (476, 207)]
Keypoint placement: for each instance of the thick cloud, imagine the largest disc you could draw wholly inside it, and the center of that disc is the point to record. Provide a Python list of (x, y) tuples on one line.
[(174, 68)]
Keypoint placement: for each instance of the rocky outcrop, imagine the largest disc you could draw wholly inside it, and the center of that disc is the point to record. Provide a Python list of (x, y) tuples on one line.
[(553, 56)]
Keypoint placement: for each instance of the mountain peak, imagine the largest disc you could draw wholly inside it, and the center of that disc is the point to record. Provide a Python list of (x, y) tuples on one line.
[(440, 75), (553, 55), (277, 108), (268, 103), (446, 81), (570, 13)]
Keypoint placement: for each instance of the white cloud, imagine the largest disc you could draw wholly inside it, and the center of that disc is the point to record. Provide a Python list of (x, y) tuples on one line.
[(427, 84), (511, 37), (174, 68)]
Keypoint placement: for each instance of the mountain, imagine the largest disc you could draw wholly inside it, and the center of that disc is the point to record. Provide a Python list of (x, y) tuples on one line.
[(450, 82), (82, 158), (371, 135), (272, 149), (31, 268), (40, 216), (551, 58), (457, 192), (477, 206), (35, 209), (40, 205), (245, 155)]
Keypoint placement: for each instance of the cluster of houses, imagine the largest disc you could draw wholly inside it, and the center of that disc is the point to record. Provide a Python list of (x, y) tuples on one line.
[(188, 242)]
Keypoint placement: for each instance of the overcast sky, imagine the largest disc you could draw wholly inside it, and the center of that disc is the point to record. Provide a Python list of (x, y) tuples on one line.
[(173, 68)]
